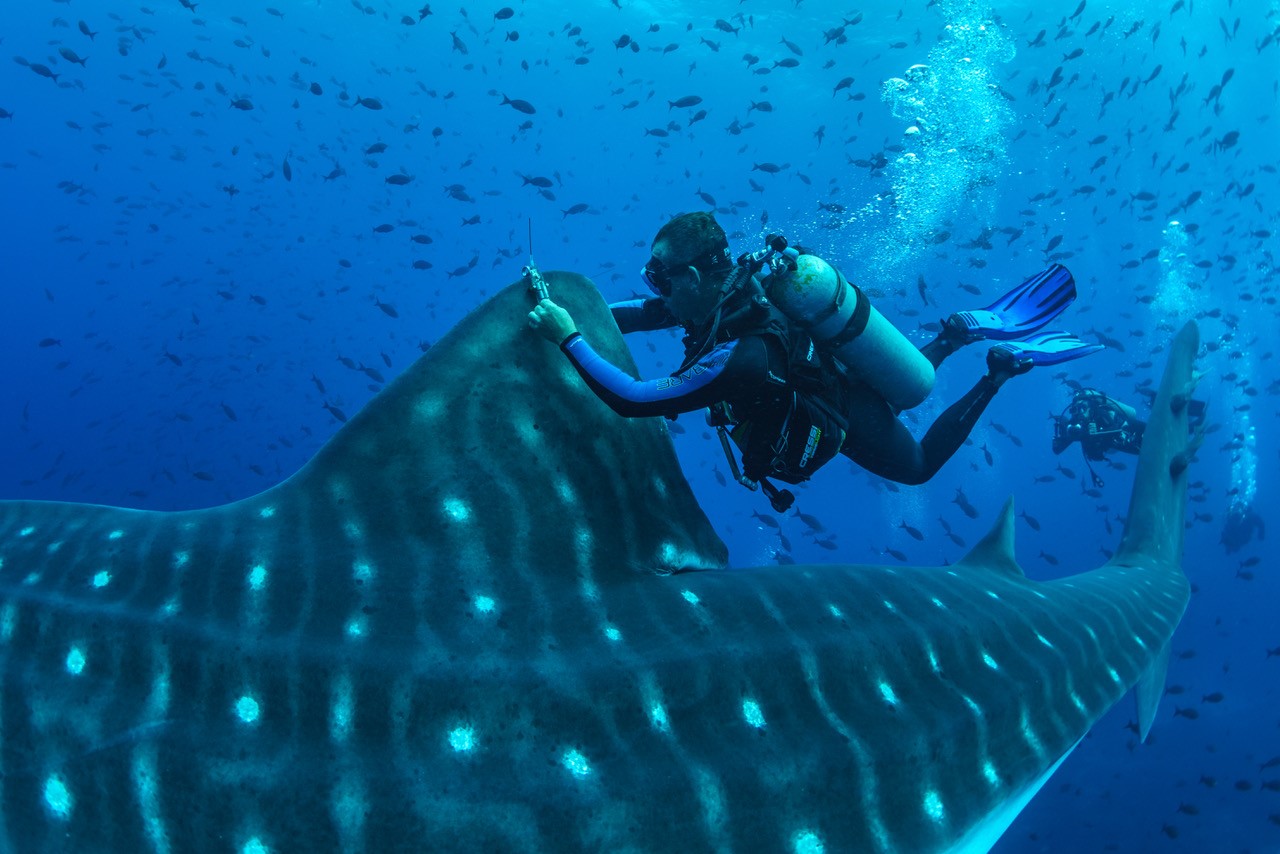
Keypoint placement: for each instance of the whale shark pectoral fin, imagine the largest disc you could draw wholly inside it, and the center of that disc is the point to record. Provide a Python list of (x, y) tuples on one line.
[(1149, 690)]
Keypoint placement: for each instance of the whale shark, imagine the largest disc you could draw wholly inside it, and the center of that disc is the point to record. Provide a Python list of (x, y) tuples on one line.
[(489, 615)]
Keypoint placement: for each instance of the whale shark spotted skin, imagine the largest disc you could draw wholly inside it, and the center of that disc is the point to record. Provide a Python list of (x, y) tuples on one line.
[(471, 623)]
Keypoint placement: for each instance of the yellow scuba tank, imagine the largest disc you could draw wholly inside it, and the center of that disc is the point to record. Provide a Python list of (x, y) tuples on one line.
[(842, 320)]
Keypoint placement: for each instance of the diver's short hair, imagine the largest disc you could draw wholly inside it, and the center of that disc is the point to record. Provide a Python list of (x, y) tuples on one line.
[(691, 235)]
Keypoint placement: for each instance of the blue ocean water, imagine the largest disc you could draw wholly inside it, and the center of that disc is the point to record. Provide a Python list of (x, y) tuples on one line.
[(209, 258)]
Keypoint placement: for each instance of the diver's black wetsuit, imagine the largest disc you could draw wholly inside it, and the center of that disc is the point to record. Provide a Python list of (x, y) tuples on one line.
[(736, 370)]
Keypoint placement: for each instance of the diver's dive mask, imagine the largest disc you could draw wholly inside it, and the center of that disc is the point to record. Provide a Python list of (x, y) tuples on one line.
[(658, 275)]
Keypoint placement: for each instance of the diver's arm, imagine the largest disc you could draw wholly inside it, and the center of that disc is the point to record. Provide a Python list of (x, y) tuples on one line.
[(642, 315), (723, 373)]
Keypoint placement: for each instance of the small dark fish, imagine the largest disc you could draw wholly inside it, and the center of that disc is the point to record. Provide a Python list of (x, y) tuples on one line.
[(1189, 714), (1048, 558), (369, 103), (895, 554), (811, 522), (387, 309), (914, 532), (229, 412), (1031, 520), (70, 56), (963, 503), (766, 519), (385, 228), (519, 105), (504, 13), (50, 342), (84, 28), (1215, 697), (242, 104), (576, 209), (399, 179), (286, 170)]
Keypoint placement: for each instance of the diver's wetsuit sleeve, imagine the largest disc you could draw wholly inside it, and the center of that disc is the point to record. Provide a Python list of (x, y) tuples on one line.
[(642, 315), (732, 370)]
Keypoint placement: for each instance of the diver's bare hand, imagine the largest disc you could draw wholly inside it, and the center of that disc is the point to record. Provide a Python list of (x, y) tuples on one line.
[(551, 322)]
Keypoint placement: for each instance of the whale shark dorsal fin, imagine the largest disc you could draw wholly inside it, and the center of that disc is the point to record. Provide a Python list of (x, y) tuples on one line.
[(492, 437), (995, 550)]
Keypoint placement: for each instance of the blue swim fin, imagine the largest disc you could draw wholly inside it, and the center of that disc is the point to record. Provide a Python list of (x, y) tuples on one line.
[(1038, 350), (1027, 308)]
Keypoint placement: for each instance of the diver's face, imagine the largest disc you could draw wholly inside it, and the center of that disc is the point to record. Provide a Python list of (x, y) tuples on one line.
[(692, 295)]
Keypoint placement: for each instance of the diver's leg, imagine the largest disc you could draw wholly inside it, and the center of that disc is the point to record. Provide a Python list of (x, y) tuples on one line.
[(956, 423), (943, 346), (881, 444)]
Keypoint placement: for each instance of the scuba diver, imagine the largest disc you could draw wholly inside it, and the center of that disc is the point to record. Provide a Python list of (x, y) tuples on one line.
[(796, 365), (1101, 423), (1242, 522)]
